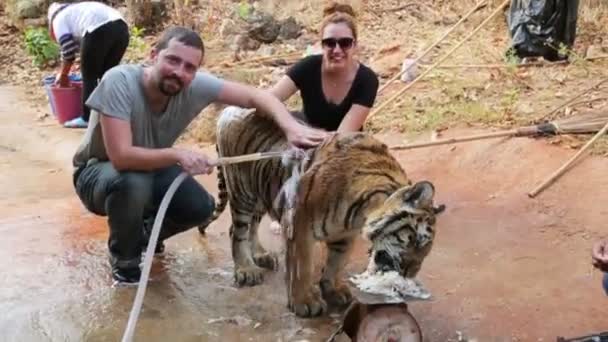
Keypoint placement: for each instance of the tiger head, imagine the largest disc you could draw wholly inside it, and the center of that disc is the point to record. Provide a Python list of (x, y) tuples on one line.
[(402, 230)]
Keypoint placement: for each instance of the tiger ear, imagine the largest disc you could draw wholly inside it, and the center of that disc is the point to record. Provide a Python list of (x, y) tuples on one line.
[(420, 195)]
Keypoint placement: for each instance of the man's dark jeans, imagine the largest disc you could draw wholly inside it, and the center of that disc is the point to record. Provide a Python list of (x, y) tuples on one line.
[(127, 198)]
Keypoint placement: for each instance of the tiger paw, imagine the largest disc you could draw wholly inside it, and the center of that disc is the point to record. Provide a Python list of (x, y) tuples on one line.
[(249, 276), (266, 260), (311, 305), (339, 296)]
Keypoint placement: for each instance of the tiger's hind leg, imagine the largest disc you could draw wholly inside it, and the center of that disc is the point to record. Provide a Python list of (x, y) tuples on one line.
[(333, 290), (261, 257), (304, 298), (246, 271)]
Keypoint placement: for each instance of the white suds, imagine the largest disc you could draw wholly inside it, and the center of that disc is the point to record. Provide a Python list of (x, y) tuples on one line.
[(297, 159), (390, 284)]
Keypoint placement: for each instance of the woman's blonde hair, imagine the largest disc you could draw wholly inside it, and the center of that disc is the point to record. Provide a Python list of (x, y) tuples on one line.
[(336, 13)]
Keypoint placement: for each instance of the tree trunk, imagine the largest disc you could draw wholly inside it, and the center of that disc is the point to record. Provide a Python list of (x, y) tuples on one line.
[(140, 13)]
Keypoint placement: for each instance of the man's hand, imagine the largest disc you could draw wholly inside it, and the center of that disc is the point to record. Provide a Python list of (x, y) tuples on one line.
[(244, 96), (600, 255), (62, 80), (303, 136), (195, 163)]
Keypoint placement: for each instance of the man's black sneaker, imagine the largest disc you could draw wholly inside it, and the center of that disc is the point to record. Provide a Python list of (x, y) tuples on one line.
[(125, 271), (126, 276)]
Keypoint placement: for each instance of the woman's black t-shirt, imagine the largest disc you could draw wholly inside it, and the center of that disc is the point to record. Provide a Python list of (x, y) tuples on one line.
[(319, 112)]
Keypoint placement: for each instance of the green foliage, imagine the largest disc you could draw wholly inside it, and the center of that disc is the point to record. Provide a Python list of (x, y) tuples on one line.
[(244, 10), (511, 60), (136, 40), (40, 47)]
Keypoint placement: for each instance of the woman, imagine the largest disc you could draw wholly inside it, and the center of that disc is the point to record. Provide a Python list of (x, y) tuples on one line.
[(103, 36), (337, 90)]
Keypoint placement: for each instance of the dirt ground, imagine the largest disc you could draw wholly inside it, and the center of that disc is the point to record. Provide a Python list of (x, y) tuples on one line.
[(504, 267)]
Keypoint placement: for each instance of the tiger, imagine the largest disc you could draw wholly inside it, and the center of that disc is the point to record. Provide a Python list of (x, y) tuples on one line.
[(350, 185)]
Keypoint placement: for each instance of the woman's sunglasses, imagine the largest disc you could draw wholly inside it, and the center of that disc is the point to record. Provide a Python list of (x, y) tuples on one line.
[(344, 43)]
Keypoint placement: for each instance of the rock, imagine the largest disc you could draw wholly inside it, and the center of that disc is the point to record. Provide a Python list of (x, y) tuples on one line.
[(228, 28), (594, 51), (29, 9), (290, 29), (31, 22), (267, 50), (263, 27), (18, 10), (243, 42)]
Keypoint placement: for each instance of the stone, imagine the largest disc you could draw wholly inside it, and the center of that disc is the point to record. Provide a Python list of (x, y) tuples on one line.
[(267, 50), (26, 9), (34, 22), (18, 10), (228, 28), (289, 29), (263, 27), (242, 42)]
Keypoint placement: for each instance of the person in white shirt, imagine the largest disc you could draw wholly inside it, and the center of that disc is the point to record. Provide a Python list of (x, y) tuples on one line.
[(102, 35)]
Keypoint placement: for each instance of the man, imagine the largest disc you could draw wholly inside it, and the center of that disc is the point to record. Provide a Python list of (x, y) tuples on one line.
[(599, 255), (102, 35), (126, 161)]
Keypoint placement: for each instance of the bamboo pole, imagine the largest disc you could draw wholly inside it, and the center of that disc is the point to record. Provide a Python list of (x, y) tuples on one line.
[(249, 157), (432, 46), (547, 182), (455, 140), (408, 86)]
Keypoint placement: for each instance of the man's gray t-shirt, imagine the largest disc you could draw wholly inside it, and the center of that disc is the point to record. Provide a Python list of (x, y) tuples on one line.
[(120, 94)]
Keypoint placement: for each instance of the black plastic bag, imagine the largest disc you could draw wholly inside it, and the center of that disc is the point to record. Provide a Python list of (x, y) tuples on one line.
[(539, 27)]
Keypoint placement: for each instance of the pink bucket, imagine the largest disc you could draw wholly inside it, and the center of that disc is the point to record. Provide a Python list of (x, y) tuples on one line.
[(67, 101)]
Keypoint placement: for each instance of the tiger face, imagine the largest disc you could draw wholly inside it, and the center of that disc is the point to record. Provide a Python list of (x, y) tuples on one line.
[(402, 230)]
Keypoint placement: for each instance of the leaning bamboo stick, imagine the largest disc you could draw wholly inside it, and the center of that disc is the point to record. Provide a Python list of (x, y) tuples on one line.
[(249, 157), (432, 46), (409, 85), (565, 167)]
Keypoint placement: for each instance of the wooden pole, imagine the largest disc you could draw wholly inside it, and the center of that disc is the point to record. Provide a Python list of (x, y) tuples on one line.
[(565, 167), (408, 86), (249, 157), (477, 6), (455, 140)]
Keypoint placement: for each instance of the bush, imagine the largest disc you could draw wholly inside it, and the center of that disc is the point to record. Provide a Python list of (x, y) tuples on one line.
[(40, 47)]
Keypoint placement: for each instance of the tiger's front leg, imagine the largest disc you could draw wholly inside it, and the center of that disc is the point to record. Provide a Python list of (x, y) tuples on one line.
[(303, 297), (261, 256), (333, 290), (246, 272)]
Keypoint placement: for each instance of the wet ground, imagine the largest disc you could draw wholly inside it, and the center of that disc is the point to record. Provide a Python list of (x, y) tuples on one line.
[(504, 267)]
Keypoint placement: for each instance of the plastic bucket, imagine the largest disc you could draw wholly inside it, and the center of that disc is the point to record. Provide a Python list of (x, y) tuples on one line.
[(65, 103)]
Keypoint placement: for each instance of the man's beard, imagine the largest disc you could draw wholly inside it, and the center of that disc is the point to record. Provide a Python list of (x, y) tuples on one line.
[(166, 90)]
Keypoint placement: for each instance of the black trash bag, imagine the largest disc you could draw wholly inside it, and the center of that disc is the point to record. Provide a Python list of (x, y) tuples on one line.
[(539, 27)]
